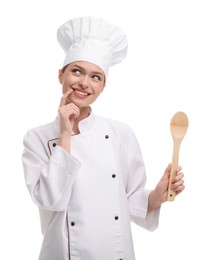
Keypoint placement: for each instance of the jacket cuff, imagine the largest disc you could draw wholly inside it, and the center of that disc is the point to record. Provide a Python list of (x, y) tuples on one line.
[(65, 160)]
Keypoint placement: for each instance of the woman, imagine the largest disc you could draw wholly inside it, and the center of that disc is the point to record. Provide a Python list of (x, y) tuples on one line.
[(86, 172)]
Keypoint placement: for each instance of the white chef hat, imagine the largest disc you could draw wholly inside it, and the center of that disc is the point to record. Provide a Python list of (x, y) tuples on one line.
[(94, 40)]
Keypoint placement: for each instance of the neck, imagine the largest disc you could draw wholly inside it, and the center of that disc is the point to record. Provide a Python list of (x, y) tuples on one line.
[(84, 112)]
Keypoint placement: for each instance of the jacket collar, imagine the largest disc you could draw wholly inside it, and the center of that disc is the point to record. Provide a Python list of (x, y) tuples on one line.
[(87, 123)]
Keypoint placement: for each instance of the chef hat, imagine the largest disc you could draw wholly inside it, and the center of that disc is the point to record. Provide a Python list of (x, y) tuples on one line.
[(94, 40)]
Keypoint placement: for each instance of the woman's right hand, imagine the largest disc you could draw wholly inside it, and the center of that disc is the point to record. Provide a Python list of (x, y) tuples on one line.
[(68, 112)]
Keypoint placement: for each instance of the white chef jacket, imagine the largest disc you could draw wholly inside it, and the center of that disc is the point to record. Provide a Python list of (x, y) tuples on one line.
[(88, 198)]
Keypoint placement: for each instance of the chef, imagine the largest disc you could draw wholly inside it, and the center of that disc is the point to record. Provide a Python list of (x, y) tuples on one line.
[(85, 172)]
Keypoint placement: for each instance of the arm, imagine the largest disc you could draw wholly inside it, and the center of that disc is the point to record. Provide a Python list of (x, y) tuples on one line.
[(68, 112), (49, 180), (145, 204), (137, 194)]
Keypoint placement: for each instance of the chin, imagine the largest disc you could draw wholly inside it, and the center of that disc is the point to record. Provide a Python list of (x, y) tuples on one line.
[(81, 105)]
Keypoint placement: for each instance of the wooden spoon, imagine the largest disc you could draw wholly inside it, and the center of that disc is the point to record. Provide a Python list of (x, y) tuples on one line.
[(179, 125)]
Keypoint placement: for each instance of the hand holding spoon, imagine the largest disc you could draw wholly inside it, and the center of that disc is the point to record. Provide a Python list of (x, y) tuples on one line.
[(179, 125)]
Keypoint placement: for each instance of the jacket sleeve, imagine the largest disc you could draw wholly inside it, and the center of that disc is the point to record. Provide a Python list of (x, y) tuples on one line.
[(136, 193), (48, 179)]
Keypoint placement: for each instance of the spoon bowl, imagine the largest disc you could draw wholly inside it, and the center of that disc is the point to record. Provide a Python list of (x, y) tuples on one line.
[(179, 125)]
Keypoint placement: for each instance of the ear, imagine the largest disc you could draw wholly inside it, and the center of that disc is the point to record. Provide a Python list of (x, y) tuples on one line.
[(60, 76)]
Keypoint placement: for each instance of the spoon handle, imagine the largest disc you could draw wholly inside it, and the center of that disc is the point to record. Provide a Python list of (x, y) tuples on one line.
[(171, 194)]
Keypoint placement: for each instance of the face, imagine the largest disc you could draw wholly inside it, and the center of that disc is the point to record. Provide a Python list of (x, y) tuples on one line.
[(87, 81)]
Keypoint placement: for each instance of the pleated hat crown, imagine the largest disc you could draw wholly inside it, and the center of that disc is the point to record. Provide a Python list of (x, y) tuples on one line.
[(94, 40)]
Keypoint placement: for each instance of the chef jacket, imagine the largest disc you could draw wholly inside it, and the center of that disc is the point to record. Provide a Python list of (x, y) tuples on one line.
[(87, 199)]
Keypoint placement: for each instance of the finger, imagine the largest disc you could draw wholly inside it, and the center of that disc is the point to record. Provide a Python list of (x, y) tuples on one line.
[(69, 111), (167, 171), (177, 184), (178, 169), (178, 177), (74, 108), (179, 189), (75, 113), (65, 97), (168, 168)]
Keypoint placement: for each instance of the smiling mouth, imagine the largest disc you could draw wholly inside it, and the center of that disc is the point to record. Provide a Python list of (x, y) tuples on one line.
[(81, 93)]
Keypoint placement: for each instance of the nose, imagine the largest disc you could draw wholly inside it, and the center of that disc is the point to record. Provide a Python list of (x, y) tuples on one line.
[(84, 82)]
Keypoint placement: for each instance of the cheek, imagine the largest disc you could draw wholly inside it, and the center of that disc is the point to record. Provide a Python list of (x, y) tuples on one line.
[(64, 89), (68, 82), (98, 89), (102, 88)]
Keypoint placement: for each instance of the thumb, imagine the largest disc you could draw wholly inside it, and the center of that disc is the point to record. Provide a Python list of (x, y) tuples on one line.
[(167, 171)]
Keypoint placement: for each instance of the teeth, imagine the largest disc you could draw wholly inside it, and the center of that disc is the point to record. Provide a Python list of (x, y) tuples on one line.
[(81, 93)]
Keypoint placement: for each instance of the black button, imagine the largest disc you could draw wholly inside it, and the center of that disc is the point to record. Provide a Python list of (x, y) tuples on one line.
[(113, 175), (106, 136), (116, 217), (54, 144), (72, 224)]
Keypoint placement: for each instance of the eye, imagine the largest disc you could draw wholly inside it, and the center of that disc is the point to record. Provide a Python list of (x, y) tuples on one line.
[(76, 71), (96, 77)]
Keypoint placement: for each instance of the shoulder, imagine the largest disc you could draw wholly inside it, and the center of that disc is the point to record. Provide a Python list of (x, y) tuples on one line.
[(46, 131), (122, 135)]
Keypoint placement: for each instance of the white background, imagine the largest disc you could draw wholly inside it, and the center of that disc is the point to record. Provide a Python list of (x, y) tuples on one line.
[(166, 70)]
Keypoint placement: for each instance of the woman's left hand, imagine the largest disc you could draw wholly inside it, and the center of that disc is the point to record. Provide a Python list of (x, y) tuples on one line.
[(160, 193), (177, 183)]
